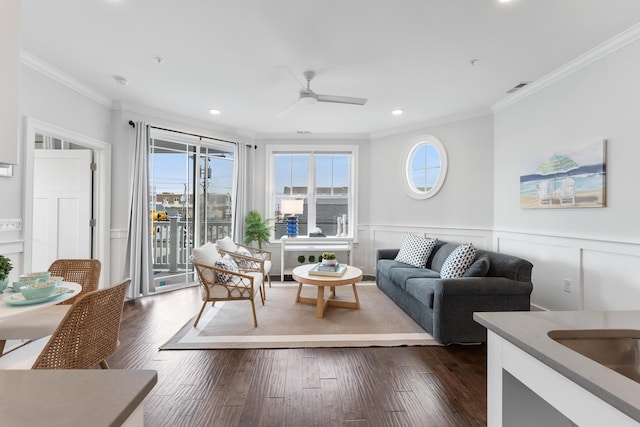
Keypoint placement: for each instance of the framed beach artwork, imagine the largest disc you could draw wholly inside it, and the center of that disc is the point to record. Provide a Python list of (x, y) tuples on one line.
[(565, 179)]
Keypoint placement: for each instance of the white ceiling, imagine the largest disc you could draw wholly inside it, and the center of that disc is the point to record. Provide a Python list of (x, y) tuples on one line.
[(409, 54)]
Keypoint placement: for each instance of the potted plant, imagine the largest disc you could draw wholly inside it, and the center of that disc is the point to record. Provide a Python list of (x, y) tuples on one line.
[(5, 268), (258, 229), (329, 258)]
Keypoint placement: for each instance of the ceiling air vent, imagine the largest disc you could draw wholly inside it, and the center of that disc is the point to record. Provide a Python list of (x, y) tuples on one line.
[(518, 87)]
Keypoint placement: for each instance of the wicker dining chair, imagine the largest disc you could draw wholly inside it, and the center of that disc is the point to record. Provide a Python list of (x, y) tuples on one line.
[(88, 334), (42, 322), (86, 272)]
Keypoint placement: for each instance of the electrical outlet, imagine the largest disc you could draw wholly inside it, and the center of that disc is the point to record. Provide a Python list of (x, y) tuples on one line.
[(567, 285)]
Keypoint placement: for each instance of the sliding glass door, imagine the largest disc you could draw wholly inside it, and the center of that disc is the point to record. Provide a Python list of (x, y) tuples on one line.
[(191, 188)]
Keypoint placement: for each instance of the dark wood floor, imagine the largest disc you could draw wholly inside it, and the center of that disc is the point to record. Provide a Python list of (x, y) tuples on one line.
[(403, 386)]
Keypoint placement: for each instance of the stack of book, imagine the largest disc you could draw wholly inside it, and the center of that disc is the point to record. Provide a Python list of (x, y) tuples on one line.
[(328, 270)]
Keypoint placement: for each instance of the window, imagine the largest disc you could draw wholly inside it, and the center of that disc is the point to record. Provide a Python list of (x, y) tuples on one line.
[(425, 167), (323, 178)]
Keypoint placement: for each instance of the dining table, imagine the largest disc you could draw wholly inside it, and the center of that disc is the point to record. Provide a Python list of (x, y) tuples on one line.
[(7, 310)]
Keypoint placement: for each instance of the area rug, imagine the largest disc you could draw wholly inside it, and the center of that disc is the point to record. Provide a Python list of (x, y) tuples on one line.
[(284, 324)]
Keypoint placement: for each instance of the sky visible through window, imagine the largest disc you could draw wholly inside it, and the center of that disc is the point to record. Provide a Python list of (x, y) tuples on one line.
[(170, 173)]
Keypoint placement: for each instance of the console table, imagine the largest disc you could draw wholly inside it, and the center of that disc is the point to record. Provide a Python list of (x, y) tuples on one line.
[(321, 244)]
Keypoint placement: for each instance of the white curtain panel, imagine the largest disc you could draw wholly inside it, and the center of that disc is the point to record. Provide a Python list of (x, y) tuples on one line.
[(243, 173), (138, 265)]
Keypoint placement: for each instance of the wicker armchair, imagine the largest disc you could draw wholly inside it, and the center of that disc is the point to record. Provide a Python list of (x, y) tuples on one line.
[(249, 259), (88, 334), (219, 284), (42, 322)]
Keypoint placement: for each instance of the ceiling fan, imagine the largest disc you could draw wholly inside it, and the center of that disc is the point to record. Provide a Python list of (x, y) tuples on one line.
[(307, 96)]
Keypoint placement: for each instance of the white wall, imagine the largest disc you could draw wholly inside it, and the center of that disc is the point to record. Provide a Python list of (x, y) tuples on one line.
[(463, 209), (9, 79), (596, 249)]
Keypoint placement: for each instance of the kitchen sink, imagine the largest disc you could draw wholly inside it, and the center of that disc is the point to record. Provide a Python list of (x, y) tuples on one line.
[(617, 349)]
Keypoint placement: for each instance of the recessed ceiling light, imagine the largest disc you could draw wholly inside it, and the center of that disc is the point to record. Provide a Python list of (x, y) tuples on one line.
[(397, 112), (215, 111), (504, 1)]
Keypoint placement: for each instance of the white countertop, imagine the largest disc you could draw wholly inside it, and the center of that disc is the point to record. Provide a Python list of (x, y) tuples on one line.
[(528, 331), (71, 397)]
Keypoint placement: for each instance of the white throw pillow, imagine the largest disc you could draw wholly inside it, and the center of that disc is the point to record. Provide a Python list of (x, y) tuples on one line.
[(227, 244), (206, 254), (415, 250), (458, 261)]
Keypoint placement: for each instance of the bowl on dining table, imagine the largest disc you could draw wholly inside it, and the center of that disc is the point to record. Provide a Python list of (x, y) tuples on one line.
[(21, 283), (57, 279), (42, 276), (38, 290)]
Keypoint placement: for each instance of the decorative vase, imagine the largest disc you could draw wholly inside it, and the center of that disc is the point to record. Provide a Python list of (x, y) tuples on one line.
[(329, 261), (345, 230)]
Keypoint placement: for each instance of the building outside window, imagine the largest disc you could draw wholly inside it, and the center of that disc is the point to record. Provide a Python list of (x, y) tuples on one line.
[(323, 177)]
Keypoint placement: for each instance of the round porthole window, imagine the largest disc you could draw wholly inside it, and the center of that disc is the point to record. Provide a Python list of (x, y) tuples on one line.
[(424, 167)]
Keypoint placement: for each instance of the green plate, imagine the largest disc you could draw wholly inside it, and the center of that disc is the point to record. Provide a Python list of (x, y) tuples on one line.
[(18, 299)]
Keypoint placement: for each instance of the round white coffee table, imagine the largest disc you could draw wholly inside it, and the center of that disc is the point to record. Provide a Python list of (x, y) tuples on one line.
[(350, 277)]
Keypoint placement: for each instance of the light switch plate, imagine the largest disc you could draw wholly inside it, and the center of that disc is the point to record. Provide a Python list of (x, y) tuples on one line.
[(10, 224)]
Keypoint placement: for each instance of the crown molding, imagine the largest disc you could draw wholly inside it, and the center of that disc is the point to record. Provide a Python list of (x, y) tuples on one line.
[(439, 121), (53, 73), (182, 120), (613, 44), (311, 136)]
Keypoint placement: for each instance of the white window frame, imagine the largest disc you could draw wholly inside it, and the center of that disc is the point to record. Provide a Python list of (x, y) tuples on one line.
[(352, 150), (409, 152)]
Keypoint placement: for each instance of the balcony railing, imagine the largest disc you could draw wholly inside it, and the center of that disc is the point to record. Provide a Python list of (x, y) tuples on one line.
[(172, 241)]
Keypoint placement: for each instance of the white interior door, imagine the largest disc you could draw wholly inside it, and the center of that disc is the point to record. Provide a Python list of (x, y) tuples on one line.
[(62, 201)]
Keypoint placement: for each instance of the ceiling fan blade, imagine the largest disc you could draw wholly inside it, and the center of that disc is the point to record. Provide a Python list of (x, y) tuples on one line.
[(342, 99), (284, 67), (288, 109)]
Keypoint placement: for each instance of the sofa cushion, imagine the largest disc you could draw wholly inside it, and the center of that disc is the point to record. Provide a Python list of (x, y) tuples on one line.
[(479, 268), (386, 265), (458, 261), (399, 276), (415, 250), (422, 290), (441, 255)]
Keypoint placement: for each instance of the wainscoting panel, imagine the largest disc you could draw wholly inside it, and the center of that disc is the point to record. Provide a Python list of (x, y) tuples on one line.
[(118, 254), (611, 281), (384, 237), (554, 262), (576, 274)]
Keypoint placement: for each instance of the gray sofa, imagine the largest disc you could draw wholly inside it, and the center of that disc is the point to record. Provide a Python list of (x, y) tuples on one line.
[(444, 307)]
